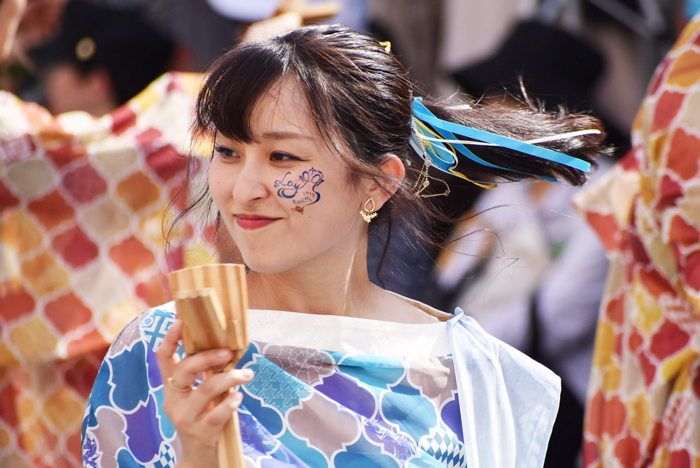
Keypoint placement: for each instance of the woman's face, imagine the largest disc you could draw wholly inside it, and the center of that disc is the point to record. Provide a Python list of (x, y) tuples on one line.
[(285, 197)]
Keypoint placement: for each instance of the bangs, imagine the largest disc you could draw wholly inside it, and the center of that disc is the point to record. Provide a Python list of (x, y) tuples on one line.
[(241, 78), (236, 82)]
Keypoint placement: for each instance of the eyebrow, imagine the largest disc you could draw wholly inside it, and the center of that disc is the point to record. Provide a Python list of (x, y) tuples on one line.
[(285, 136), (273, 135)]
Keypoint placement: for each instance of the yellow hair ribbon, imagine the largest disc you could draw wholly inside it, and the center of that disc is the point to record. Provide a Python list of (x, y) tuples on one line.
[(480, 184)]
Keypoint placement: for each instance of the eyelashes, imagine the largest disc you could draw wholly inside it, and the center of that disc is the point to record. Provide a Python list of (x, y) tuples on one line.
[(227, 152), (277, 156), (280, 156)]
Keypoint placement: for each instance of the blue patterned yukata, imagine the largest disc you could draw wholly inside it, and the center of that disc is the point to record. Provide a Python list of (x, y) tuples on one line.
[(338, 392)]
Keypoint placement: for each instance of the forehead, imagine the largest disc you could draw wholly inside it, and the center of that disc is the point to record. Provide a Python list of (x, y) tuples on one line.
[(283, 108)]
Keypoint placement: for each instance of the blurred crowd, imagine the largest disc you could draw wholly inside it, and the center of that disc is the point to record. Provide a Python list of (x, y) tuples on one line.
[(95, 108)]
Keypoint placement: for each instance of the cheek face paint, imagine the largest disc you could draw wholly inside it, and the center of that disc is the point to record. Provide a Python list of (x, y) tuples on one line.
[(300, 189)]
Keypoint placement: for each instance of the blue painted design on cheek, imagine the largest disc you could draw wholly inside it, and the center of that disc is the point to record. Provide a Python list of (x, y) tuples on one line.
[(286, 188), (298, 189)]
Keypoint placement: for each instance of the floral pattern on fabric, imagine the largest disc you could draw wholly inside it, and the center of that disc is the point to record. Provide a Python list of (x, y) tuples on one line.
[(644, 394), (82, 201), (304, 408)]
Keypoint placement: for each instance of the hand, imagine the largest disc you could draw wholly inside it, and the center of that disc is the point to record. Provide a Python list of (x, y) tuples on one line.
[(27, 24), (10, 14), (40, 23), (197, 413)]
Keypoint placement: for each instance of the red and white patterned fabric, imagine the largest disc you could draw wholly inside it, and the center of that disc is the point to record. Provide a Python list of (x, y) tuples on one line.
[(644, 393), (82, 202)]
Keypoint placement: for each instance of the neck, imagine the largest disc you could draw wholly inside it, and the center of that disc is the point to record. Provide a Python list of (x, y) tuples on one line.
[(340, 286)]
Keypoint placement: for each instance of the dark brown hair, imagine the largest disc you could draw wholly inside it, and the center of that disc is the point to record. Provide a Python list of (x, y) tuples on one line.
[(360, 97)]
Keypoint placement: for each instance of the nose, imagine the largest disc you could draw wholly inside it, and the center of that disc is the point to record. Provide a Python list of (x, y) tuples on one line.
[(251, 183)]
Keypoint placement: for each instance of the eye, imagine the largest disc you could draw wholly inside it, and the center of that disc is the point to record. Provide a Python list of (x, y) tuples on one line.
[(226, 153), (283, 157)]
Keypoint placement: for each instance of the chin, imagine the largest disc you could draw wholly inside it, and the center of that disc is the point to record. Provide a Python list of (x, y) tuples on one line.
[(265, 263)]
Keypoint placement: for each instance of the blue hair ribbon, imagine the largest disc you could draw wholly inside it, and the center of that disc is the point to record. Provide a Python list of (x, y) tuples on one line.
[(446, 160), (432, 148)]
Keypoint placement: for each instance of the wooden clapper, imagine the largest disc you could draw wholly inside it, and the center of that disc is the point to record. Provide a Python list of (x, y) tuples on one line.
[(212, 301)]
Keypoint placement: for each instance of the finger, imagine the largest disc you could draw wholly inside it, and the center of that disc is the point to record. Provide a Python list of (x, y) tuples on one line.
[(185, 373), (215, 387), (10, 15), (217, 384), (221, 413), (168, 348)]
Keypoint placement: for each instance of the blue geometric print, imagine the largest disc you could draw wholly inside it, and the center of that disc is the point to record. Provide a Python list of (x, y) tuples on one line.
[(275, 387), (300, 411), (445, 447), (166, 457), (155, 326)]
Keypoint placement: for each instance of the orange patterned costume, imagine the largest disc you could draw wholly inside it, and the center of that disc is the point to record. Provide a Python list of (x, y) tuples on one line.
[(82, 202), (644, 393)]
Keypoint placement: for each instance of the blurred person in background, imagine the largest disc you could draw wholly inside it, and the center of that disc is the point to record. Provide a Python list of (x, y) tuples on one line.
[(555, 46), (100, 59), (203, 30), (644, 393)]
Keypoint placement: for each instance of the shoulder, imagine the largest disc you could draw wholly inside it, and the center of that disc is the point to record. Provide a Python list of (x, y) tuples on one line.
[(128, 373), (149, 327)]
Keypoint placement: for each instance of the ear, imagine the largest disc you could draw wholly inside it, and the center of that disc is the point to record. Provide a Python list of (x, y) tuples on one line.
[(395, 171)]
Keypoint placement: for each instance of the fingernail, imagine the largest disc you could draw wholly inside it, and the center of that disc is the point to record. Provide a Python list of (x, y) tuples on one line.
[(247, 374), (237, 398), (224, 353)]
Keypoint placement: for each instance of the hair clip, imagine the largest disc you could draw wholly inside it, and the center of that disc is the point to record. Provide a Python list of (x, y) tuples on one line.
[(85, 49)]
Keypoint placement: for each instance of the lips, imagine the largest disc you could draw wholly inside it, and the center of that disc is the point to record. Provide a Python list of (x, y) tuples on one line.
[(252, 222)]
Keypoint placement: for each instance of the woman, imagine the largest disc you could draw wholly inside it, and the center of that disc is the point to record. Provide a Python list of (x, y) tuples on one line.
[(317, 140)]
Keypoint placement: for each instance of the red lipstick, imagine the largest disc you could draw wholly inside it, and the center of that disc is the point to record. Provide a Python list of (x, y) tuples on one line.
[(246, 221)]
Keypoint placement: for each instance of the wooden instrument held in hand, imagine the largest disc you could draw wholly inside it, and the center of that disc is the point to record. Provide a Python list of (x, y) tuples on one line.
[(212, 301)]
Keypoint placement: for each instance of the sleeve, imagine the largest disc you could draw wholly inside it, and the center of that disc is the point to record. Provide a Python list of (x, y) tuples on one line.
[(508, 402), (676, 189), (124, 424)]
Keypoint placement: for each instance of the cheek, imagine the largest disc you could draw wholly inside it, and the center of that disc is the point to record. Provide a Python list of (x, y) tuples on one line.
[(300, 189), (335, 213), (217, 184)]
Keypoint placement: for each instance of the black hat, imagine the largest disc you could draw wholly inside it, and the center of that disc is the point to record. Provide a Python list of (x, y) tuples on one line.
[(133, 52), (554, 65)]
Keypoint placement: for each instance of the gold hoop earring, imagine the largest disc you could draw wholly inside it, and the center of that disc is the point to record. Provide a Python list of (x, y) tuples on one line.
[(368, 214)]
